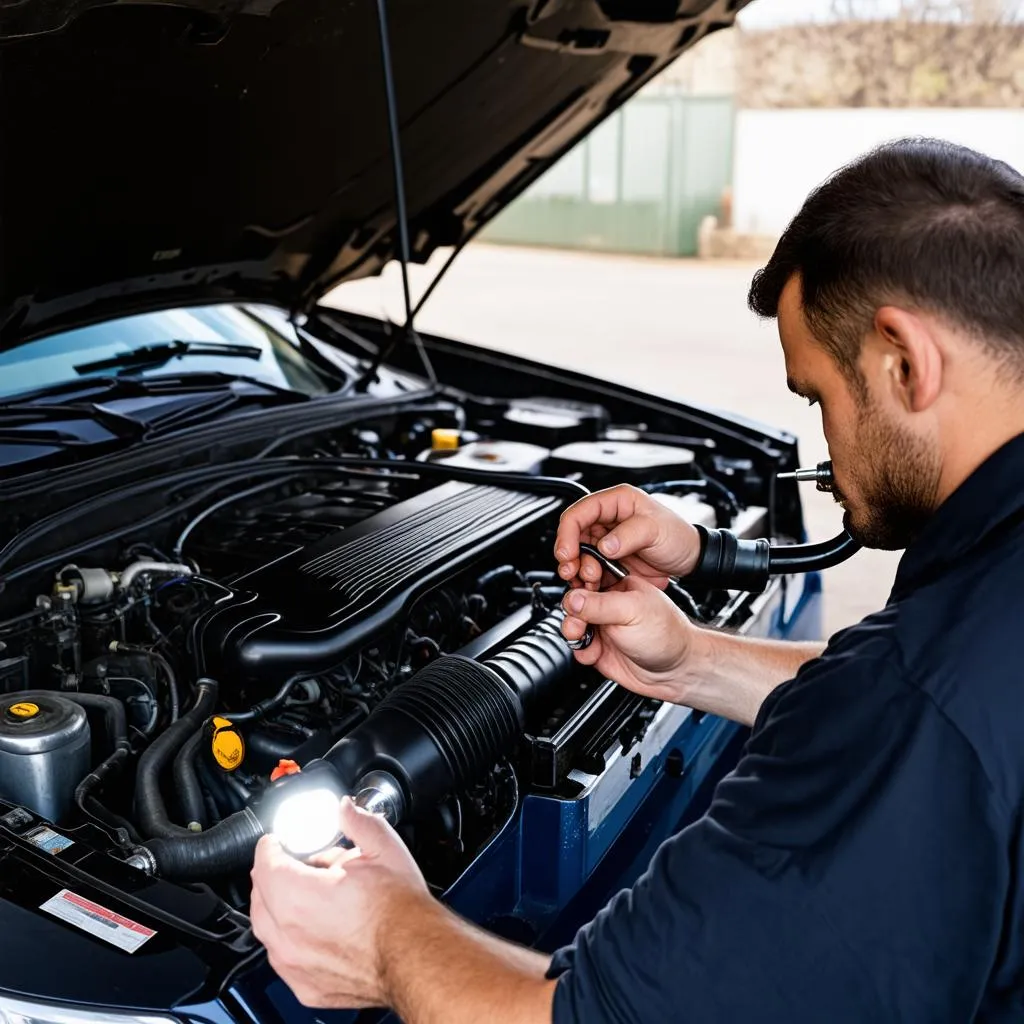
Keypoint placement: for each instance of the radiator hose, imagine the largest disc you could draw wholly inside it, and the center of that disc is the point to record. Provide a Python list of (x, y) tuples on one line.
[(150, 810), (224, 849)]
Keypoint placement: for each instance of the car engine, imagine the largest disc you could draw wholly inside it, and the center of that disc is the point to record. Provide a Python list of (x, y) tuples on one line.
[(385, 590)]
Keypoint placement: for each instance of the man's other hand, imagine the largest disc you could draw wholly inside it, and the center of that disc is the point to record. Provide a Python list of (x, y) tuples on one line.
[(630, 526), (323, 923), (642, 640)]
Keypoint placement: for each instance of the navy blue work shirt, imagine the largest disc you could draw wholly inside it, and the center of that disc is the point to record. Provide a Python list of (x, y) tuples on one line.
[(865, 860)]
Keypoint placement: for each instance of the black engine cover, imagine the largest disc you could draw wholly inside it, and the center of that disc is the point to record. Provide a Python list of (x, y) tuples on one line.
[(302, 613)]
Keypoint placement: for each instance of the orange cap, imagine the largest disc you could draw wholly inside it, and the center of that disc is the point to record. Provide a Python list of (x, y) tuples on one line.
[(284, 767)]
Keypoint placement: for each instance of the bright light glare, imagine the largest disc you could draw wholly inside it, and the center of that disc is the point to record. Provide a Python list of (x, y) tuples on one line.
[(306, 822), (18, 1011)]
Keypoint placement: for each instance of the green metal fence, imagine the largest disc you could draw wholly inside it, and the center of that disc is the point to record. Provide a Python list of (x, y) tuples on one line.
[(640, 183)]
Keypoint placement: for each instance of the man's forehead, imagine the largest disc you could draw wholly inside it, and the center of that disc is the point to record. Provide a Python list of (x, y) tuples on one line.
[(796, 337)]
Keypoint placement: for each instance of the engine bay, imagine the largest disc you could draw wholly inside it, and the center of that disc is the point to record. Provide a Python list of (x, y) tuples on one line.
[(385, 590)]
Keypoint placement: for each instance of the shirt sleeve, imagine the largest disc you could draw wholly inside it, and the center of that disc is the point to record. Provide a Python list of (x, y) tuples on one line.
[(851, 868)]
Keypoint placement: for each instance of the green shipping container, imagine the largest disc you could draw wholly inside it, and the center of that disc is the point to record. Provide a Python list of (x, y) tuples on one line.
[(641, 182)]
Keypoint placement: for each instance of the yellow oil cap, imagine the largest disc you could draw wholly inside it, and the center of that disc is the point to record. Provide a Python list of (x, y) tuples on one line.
[(227, 745), (24, 709), (444, 439)]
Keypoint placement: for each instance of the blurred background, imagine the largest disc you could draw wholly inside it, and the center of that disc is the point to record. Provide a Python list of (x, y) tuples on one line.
[(631, 258)]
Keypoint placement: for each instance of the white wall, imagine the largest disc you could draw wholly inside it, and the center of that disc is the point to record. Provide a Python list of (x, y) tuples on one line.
[(780, 155)]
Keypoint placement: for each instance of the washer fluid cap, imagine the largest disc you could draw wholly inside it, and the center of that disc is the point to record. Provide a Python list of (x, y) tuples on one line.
[(444, 439)]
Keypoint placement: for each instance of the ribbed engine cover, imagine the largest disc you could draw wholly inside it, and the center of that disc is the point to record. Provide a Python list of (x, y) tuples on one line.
[(303, 612)]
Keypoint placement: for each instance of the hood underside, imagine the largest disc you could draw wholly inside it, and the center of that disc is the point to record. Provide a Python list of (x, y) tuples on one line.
[(156, 153)]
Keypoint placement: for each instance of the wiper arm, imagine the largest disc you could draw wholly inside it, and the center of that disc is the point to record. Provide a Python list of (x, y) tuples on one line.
[(13, 417), (164, 352)]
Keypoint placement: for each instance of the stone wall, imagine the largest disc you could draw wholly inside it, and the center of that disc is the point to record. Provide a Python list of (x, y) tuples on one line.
[(880, 64)]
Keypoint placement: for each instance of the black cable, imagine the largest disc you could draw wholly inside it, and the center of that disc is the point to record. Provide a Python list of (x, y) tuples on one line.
[(231, 499), (168, 671), (439, 275), (404, 249), (402, 215), (684, 599), (265, 707), (797, 558)]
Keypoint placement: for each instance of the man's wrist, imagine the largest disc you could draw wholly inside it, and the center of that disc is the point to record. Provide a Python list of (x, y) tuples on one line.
[(406, 917), (696, 663)]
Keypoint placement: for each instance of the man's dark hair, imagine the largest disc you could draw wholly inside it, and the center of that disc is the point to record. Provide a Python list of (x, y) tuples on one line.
[(921, 222)]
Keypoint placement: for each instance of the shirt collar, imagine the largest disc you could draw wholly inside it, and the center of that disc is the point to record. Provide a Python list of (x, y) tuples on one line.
[(989, 496)]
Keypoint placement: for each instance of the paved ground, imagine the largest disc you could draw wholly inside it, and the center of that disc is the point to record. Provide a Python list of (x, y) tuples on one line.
[(679, 328)]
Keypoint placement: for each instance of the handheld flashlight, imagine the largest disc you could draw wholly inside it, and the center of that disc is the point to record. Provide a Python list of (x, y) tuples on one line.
[(301, 808)]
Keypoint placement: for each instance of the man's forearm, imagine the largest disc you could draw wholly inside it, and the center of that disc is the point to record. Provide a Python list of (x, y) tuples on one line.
[(438, 967), (731, 675)]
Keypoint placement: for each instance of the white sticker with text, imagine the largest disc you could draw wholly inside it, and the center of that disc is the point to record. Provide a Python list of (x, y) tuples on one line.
[(96, 920)]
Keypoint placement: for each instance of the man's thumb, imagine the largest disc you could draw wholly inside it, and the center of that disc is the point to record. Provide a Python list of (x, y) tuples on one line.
[(366, 830)]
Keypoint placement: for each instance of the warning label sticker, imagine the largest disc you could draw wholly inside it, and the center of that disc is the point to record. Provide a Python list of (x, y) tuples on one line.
[(96, 920), (48, 840)]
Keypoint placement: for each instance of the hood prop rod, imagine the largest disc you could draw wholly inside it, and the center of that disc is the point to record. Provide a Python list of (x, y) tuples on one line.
[(404, 248)]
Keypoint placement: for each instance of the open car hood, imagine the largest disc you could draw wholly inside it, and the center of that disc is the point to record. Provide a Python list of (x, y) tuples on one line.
[(191, 150)]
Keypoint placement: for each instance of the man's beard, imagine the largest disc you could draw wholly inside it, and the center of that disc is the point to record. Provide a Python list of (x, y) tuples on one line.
[(897, 491)]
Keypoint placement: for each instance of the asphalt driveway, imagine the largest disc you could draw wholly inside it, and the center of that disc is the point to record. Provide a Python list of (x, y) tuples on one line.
[(675, 327)]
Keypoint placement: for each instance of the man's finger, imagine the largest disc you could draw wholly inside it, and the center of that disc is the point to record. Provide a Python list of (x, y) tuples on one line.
[(335, 858), (619, 607), (628, 537), (605, 507), (590, 655), (573, 628), (370, 832)]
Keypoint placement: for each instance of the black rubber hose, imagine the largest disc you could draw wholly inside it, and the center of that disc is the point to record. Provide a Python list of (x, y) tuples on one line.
[(116, 722), (113, 713), (785, 559), (164, 665), (172, 682), (186, 782), (90, 805), (222, 850), (150, 810), (267, 707), (271, 748)]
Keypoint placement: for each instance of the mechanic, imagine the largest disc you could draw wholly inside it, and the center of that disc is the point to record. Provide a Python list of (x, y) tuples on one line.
[(864, 860)]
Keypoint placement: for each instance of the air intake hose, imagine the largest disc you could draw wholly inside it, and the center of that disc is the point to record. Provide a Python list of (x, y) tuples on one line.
[(447, 726)]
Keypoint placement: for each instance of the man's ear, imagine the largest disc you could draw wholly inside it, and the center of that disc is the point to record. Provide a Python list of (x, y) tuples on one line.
[(911, 358)]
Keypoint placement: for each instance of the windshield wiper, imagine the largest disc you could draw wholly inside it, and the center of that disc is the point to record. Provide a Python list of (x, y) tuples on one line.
[(164, 352)]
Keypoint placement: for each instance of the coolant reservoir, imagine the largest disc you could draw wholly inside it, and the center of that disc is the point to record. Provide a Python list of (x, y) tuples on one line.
[(44, 751)]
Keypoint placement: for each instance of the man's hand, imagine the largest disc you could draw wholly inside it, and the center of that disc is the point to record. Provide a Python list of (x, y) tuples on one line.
[(633, 528), (323, 926), (361, 929), (643, 641)]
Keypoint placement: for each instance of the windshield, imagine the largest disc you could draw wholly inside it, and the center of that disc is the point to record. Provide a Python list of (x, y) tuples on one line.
[(275, 358)]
